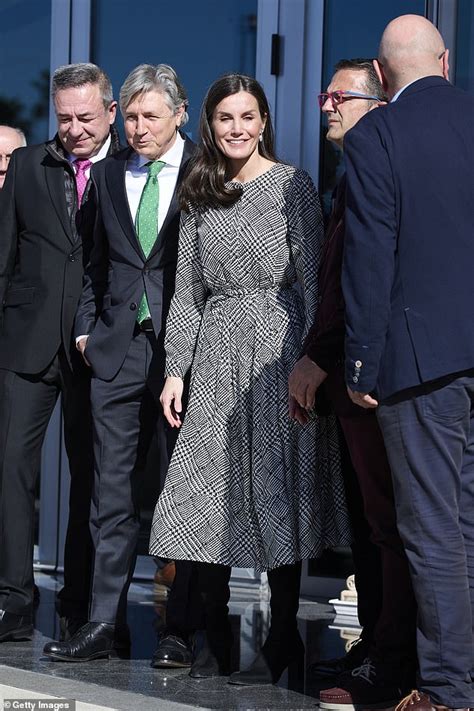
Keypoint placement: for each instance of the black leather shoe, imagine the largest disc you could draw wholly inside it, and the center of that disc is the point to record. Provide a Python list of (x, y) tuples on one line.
[(93, 641), (15, 627), (172, 652), (68, 626), (331, 668)]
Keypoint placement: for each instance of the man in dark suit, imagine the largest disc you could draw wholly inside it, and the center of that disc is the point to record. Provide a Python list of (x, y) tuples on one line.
[(120, 330), (408, 289), (41, 267), (386, 605)]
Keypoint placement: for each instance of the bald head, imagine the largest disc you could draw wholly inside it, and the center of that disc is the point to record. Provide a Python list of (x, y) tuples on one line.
[(10, 139), (411, 48)]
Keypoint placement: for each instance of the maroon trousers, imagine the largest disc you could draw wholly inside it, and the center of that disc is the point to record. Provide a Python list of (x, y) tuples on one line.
[(384, 584)]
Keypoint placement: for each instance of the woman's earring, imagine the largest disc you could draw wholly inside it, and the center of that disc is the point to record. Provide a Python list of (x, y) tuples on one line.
[(260, 138)]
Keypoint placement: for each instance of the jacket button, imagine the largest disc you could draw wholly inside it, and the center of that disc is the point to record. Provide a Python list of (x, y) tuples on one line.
[(355, 379), (146, 272), (72, 258), (358, 364), (133, 306)]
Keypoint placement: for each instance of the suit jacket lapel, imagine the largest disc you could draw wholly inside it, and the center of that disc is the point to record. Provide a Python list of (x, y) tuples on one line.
[(174, 206), (115, 177), (54, 175)]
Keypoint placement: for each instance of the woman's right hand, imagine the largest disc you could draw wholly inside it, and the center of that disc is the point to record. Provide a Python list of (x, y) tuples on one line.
[(170, 399)]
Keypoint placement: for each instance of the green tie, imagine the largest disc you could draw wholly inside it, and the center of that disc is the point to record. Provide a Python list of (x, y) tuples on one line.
[(146, 222)]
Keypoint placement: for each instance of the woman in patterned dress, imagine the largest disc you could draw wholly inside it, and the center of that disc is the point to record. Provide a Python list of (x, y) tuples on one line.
[(247, 486)]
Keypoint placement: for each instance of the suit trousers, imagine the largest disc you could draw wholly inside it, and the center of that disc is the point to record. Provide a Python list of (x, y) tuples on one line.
[(429, 436), (125, 416), (26, 405), (392, 620)]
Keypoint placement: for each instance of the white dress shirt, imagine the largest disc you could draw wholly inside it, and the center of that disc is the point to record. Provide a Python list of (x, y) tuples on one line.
[(137, 173), (93, 159), (135, 179)]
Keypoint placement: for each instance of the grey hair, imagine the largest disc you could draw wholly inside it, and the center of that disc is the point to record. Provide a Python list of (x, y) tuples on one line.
[(18, 131), (75, 75), (155, 77)]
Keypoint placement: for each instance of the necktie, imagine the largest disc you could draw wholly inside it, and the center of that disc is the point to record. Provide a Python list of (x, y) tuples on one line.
[(80, 167), (146, 222)]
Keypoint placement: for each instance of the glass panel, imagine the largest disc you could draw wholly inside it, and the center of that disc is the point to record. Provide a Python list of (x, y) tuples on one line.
[(158, 33), (352, 29), (465, 45), (25, 36), (217, 36)]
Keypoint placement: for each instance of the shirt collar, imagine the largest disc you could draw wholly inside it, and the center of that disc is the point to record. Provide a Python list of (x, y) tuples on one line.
[(98, 156), (400, 91), (173, 155)]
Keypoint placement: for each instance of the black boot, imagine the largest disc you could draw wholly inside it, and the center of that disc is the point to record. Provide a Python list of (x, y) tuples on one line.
[(284, 646), (94, 640), (210, 660), (213, 646), (271, 662)]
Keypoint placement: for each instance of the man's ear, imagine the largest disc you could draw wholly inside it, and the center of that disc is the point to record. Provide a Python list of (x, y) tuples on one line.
[(112, 111), (179, 115), (380, 73), (445, 64)]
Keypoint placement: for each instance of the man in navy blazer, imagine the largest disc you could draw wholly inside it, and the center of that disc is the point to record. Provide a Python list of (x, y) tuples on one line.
[(385, 602), (409, 294), (128, 285)]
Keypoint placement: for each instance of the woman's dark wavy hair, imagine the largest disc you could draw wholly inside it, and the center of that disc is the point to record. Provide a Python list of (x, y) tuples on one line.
[(204, 185)]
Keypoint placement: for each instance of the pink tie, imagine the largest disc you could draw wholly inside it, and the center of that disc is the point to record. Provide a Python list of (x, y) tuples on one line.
[(80, 166)]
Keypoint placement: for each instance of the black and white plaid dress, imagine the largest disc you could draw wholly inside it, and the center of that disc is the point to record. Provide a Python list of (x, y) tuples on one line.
[(246, 485)]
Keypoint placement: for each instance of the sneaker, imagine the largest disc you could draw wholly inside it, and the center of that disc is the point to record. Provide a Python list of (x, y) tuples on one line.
[(330, 668), (369, 686)]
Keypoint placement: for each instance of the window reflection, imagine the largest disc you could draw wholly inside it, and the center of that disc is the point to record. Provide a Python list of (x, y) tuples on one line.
[(465, 45), (352, 29), (200, 40), (25, 36)]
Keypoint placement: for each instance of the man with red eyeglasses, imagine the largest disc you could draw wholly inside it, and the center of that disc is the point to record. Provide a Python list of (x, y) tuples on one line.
[(380, 666)]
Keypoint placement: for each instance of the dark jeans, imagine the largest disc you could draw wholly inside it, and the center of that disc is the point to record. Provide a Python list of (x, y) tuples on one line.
[(429, 435)]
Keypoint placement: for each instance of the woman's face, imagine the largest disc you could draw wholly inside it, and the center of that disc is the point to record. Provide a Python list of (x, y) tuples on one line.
[(237, 125)]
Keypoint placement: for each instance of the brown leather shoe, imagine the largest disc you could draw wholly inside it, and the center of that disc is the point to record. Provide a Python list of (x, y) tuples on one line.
[(418, 701)]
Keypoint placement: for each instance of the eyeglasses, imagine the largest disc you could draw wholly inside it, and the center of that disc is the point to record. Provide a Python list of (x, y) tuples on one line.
[(338, 97)]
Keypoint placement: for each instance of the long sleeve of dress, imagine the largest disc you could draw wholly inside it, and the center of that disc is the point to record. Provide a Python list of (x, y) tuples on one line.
[(306, 235), (187, 305)]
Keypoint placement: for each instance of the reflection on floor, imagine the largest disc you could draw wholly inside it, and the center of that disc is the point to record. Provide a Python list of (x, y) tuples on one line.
[(133, 685)]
